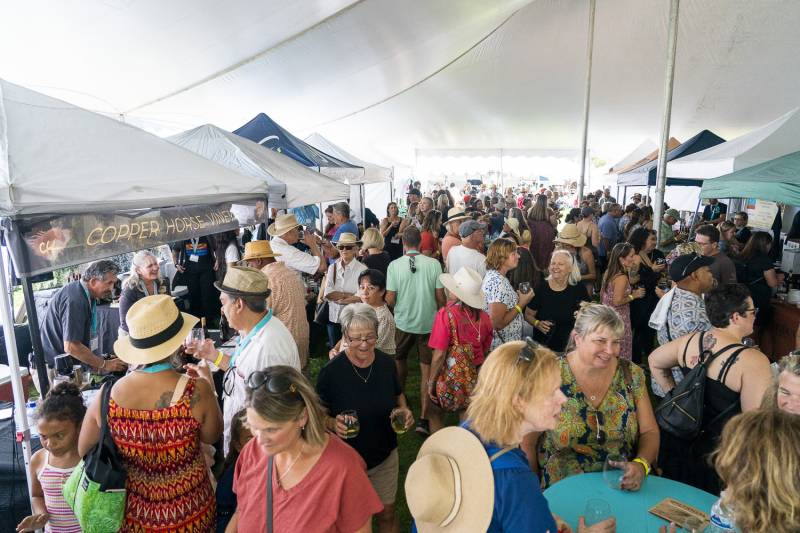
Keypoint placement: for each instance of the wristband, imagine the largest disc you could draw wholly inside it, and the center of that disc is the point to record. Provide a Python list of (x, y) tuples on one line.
[(536, 322), (518, 308), (630, 297), (644, 464), (218, 360)]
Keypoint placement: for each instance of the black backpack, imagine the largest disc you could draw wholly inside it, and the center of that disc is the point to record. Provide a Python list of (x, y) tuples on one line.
[(681, 411)]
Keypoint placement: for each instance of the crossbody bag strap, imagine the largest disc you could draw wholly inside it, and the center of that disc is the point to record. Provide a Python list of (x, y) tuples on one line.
[(270, 464), (179, 388), (104, 400), (453, 329), (498, 453)]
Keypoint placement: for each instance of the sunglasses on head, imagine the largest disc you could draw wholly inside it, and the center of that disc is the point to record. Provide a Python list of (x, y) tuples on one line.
[(277, 384), (601, 434), (528, 352)]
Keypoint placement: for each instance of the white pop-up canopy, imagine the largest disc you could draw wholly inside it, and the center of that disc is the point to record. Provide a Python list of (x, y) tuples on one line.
[(372, 173), (290, 183), (771, 141)]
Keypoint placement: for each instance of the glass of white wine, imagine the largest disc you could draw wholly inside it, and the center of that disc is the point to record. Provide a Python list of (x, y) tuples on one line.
[(398, 418), (351, 423)]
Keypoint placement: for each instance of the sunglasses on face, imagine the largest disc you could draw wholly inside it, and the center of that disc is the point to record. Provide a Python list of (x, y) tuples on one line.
[(345, 247)]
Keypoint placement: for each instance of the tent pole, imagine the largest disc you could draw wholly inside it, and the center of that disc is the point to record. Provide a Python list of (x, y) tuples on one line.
[(363, 207), (586, 100), (21, 419), (661, 176), (36, 339), (624, 194)]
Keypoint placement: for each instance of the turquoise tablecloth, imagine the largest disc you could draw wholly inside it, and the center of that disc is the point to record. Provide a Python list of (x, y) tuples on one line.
[(567, 499)]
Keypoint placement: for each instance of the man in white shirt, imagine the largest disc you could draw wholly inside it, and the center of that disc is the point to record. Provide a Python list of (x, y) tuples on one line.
[(472, 234), (285, 233), (263, 339)]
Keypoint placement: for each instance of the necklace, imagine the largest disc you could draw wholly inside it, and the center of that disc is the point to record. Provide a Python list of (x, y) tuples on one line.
[(364, 379), (297, 457), (473, 324)]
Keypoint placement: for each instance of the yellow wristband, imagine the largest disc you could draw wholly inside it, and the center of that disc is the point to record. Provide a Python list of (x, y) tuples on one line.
[(630, 297), (645, 464), (518, 308), (536, 322), (218, 360)]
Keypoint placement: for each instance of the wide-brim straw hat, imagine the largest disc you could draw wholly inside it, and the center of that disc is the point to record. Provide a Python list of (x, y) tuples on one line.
[(466, 285), (156, 329), (570, 234), (347, 238), (282, 224), (244, 281), (258, 250), (450, 487), (456, 214)]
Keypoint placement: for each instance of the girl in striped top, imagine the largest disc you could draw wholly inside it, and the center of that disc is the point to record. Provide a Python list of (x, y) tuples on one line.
[(59, 423)]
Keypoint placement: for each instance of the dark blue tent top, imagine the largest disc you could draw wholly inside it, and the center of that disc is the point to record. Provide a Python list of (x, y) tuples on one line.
[(268, 133), (646, 174)]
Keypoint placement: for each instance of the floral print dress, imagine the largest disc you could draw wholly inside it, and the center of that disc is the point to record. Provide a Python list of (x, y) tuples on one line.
[(585, 435), (624, 311), (499, 290)]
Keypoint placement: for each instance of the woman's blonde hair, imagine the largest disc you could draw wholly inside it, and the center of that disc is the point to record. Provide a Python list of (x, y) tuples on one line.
[(790, 364), (758, 459), (372, 239), (290, 405), (139, 258), (499, 251), (593, 317), (575, 273), (504, 377)]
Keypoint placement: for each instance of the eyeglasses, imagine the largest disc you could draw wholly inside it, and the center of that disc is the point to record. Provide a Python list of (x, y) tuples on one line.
[(600, 422), (345, 247), (369, 339), (412, 264), (753, 310)]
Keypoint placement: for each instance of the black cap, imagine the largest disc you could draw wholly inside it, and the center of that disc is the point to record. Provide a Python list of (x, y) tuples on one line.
[(684, 265)]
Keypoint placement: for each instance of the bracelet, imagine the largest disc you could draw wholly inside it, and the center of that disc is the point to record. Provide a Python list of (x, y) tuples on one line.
[(518, 308), (218, 360), (630, 297), (644, 464), (103, 365), (536, 322)]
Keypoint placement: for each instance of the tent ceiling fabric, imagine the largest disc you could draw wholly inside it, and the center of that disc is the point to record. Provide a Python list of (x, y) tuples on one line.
[(430, 74), (53, 152)]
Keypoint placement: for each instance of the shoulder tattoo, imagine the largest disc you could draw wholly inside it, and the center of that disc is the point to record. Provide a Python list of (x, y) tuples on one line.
[(164, 400), (195, 398)]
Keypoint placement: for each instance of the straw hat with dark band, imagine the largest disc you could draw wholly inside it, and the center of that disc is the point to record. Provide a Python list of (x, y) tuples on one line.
[(570, 234), (258, 249), (244, 281), (156, 330)]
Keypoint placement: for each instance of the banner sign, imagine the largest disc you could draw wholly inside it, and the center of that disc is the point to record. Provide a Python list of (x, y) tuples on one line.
[(760, 213), (45, 243)]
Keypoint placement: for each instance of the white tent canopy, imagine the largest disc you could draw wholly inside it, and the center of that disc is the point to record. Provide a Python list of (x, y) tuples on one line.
[(637, 154), (290, 183), (56, 158), (778, 138), (372, 173), (390, 77)]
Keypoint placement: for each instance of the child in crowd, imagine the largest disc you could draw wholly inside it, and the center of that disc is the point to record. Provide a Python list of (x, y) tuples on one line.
[(226, 498), (59, 423)]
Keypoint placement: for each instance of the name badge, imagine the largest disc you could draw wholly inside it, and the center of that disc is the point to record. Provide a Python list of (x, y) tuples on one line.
[(194, 258), (94, 344), (395, 240)]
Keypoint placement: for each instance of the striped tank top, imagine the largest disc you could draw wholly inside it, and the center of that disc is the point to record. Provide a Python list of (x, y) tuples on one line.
[(52, 480)]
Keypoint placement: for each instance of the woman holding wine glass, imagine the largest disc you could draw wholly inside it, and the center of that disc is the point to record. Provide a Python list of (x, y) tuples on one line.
[(364, 380)]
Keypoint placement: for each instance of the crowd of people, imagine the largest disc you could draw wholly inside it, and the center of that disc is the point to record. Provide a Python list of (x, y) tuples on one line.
[(565, 328)]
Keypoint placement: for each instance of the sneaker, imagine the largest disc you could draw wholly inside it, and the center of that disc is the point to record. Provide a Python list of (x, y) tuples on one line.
[(423, 428)]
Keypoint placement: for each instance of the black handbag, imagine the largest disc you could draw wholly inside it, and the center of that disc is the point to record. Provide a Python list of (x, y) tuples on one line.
[(322, 312), (103, 463)]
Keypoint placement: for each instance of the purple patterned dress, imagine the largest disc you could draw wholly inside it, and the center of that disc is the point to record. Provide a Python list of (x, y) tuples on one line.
[(624, 310)]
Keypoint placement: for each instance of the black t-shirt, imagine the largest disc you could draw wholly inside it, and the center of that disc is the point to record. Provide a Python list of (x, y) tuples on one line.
[(713, 212), (378, 261), (340, 388), (68, 318), (559, 308), (203, 250)]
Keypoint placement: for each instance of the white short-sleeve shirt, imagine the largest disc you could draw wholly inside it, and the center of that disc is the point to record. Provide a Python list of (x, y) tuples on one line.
[(294, 258)]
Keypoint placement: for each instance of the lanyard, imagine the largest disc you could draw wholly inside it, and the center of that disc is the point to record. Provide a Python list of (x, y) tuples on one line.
[(93, 305), (195, 243), (156, 368), (244, 342)]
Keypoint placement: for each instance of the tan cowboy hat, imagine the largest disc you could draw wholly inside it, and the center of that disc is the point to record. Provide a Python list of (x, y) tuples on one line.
[(347, 238), (570, 234), (466, 285), (456, 214), (244, 281), (156, 329), (513, 223), (258, 250), (450, 486), (282, 224)]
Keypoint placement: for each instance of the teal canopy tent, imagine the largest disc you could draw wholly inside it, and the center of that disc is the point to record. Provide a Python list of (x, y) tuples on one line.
[(777, 180)]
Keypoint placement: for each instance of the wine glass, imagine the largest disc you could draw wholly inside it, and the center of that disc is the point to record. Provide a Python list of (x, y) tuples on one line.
[(398, 418), (596, 511), (614, 470), (195, 338), (351, 423)]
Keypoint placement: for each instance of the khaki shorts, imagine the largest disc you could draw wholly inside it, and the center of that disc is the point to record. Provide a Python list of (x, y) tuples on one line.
[(384, 478), (406, 341)]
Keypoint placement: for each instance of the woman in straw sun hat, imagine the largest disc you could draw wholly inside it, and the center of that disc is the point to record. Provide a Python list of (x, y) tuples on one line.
[(479, 479), (155, 407), (571, 239), (472, 325), (341, 283)]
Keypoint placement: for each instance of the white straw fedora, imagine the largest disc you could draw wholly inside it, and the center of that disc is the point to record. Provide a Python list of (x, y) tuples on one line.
[(450, 486), (282, 224), (466, 285), (156, 329), (570, 234), (347, 238), (456, 214)]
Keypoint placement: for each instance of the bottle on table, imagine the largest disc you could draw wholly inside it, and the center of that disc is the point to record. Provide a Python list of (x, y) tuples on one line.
[(30, 413), (721, 517)]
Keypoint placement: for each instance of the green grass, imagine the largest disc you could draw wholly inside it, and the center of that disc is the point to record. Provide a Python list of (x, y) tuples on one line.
[(408, 443)]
